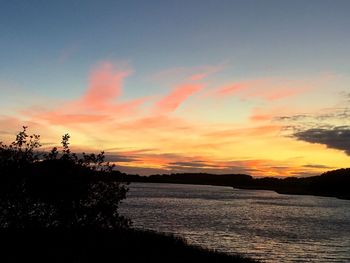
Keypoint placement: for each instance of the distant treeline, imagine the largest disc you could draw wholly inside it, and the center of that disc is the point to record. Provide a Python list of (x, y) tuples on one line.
[(333, 183)]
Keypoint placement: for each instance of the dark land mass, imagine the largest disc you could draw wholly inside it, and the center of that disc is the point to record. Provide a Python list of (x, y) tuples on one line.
[(104, 246), (331, 184), (64, 207)]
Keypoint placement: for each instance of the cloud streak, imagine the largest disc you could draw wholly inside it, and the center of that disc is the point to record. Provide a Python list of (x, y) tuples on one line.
[(104, 88), (335, 138), (101, 101), (269, 89), (172, 101), (101, 118)]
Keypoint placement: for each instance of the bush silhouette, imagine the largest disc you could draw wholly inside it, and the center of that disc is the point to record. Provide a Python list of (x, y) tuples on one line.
[(57, 189)]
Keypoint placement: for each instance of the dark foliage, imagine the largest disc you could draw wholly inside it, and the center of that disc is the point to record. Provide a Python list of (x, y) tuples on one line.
[(57, 189), (105, 246), (59, 207)]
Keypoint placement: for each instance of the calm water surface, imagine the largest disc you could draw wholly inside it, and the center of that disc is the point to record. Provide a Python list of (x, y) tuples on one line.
[(260, 224)]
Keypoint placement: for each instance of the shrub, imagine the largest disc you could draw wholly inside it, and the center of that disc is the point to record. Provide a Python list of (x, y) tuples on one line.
[(58, 188)]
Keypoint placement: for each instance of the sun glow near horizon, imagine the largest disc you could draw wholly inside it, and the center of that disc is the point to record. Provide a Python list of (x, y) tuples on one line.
[(153, 133), (229, 87)]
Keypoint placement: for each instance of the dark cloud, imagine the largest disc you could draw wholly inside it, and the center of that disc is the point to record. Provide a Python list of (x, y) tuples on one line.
[(120, 158), (291, 118), (191, 164), (202, 167), (312, 120), (141, 170), (346, 95), (317, 166), (118, 149), (322, 127), (339, 114), (108, 157), (280, 167), (137, 155), (304, 174), (336, 137)]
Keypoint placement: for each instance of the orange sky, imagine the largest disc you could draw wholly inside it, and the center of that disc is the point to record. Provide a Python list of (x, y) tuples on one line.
[(195, 124)]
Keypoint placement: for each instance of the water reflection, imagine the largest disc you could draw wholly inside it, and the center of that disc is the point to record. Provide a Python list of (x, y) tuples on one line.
[(261, 224)]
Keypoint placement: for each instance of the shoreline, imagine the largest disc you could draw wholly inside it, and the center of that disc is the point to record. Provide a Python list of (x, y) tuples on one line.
[(281, 192), (92, 245)]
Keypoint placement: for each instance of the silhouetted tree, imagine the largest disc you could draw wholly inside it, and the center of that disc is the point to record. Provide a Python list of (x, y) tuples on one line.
[(57, 189)]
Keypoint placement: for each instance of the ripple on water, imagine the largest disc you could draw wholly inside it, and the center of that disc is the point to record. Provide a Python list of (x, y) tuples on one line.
[(260, 224)]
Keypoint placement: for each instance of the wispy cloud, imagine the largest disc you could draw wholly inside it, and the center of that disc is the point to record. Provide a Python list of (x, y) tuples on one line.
[(172, 101), (147, 164), (101, 101), (102, 118), (104, 88), (269, 88)]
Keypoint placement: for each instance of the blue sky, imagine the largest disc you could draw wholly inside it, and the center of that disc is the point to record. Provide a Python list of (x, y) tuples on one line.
[(49, 50), (257, 37)]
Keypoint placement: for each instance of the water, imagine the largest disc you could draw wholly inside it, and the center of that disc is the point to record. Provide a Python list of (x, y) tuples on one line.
[(260, 224)]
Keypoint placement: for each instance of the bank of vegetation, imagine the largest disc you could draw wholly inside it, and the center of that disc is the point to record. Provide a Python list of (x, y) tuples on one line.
[(331, 184), (59, 206)]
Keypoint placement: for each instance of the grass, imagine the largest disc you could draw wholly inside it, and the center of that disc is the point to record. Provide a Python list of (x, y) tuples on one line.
[(104, 246)]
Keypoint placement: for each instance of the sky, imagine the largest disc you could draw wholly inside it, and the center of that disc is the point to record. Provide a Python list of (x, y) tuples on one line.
[(255, 87)]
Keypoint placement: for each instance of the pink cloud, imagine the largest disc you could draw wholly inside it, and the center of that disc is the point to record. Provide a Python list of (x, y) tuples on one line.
[(231, 89), (104, 88), (156, 122), (205, 71), (269, 89), (198, 76), (99, 103), (61, 118), (172, 101), (261, 117), (10, 124)]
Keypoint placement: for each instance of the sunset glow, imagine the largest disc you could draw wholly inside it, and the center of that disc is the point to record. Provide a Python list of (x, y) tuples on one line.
[(258, 106)]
